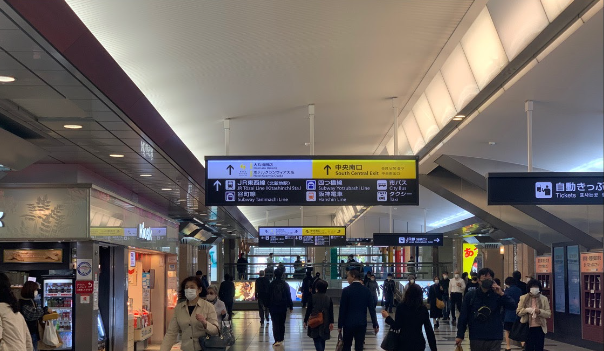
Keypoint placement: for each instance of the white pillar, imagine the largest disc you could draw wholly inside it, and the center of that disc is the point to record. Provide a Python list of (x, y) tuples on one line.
[(227, 136), (528, 107), (311, 118), (395, 111)]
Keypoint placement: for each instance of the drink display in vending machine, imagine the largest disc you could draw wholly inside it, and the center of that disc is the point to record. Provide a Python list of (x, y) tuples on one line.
[(58, 296)]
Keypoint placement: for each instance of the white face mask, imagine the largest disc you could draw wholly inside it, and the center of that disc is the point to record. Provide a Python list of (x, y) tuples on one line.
[(411, 281), (535, 291), (436, 281), (389, 278), (456, 276), (191, 294)]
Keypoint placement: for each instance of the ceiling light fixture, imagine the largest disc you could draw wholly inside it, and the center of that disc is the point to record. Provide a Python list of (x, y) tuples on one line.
[(7, 79), (116, 155), (492, 143), (459, 117), (166, 189), (146, 175), (72, 126)]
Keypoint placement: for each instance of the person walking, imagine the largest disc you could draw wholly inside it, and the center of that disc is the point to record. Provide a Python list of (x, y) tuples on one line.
[(306, 289), (481, 314), (203, 278), (519, 283), (457, 287), (242, 267), (389, 288), (473, 284), (320, 303), (14, 331), (411, 315), (355, 302), (298, 268), (279, 301), (262, 284), (270, 266), (510, 316), (533, 308), (193, 318), (314, 282), (444, 283), (219, 306), (435, 293), (373, 287), (31, 311), (227, 294)]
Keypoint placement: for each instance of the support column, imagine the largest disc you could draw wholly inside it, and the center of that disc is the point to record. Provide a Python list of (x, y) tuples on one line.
[(528, 107), (227, 136), (395, 111)]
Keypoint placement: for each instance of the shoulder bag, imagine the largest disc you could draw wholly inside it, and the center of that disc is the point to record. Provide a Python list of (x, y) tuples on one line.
[(520, 331), (213, 342), (391, 341)]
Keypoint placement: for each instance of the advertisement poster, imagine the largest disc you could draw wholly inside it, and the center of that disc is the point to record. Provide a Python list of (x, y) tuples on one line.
[(543, 264), (470, 254), (574, 280), (559, 280), (213, 264), (245, 291), (592, 262)]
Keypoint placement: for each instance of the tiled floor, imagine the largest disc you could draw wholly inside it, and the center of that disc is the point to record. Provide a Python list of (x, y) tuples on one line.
[(252, 337)]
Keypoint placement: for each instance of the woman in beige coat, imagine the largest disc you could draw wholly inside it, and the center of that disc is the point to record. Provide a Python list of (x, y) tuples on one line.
[(193, 318), (533, 309)]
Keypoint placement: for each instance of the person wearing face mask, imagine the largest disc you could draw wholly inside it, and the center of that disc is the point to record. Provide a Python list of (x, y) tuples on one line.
[(481, 313), (435, 293), (457, 287), (533, 308), (444, 283), (31, 311), (473, 284), (389, 287), (193, 318), (219, 306)]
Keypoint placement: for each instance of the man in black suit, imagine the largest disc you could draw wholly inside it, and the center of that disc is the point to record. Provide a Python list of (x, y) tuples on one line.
[(519, 283), (356, 300)]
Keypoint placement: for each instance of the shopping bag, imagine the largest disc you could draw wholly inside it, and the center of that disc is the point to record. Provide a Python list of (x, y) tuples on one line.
[(391, 341), (50, 337), (520, 331), (340, 344), (458, 348)]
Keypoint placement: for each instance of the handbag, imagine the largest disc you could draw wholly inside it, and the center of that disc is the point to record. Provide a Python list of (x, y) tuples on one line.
[(340, 344), (458, 348), (227, 333), (315, 319), (520, 331), (213, 342), (391, 341), (440, 304)]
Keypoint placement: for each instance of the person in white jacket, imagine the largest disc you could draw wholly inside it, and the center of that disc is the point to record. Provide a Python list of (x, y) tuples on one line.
[(14, 335)]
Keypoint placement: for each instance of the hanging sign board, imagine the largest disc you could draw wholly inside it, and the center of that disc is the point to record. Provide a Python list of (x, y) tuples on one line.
[(407, 239), (311, 181), (543, 264), (546, 188), (301, 236), (591, 262)]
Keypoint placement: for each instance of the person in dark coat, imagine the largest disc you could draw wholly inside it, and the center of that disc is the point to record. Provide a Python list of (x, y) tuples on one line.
[(435, 292), (389, 289), (306, 288), (320, 303), (279, 301), (510, 316), (410, 316), (262, 296), (519, 283), (226, 293), (373, 288), (356, 300), (242, 267)]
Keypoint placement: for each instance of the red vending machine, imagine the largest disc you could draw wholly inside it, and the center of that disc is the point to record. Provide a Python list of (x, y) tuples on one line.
[(543, 268), (592, 272)]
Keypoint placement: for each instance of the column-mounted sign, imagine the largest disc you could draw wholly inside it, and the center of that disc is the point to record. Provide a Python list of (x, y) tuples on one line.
[(591, 262), (301, 236), (407, 239), (543, 264), (546, 188), (311, 181)]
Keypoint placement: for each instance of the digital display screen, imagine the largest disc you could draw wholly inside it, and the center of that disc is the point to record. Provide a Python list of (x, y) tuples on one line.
[(312, 181), (245, 290)]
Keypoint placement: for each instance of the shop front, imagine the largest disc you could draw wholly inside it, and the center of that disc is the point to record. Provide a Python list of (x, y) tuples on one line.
[(107, 266)]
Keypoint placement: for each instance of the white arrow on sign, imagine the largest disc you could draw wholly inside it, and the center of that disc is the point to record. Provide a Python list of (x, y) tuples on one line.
[(217, 184), (436, 240)]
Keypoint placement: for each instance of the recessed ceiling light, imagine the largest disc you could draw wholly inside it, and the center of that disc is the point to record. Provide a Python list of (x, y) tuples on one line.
[(459, 117), (7, 79), (72, 126), (492, 143), (116, 155), (166, 189), (146, 175)]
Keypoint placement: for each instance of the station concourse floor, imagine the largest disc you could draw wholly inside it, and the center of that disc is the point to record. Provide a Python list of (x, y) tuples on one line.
[(252, 337)]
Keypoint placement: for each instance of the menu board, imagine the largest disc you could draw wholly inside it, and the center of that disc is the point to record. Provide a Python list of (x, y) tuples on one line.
[(312, 181)]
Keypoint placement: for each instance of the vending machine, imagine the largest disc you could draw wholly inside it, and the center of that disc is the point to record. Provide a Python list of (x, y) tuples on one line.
[(58, 295)]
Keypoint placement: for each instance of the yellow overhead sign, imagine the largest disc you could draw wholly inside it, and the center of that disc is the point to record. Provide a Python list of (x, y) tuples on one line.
[(364, 169), (327, 231), (106, 231)]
